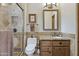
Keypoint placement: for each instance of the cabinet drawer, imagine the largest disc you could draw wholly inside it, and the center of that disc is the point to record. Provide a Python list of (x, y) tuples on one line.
[(61, 51), (46, 49), (45, 43), (46, 53), (61, 43)]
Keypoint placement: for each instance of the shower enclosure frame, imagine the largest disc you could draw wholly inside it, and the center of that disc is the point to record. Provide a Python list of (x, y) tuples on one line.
[(22, 46)]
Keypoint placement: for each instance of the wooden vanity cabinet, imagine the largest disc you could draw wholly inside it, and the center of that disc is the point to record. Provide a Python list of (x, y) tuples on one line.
[(45, 47), (78, 47), (61, 48), (54, 47)]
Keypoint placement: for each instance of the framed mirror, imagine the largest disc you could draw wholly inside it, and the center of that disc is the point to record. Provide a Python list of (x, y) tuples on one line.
[(50, 19)]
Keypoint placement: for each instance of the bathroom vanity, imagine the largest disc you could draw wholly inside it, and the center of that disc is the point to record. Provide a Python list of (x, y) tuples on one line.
[(54, 47), (55, 43)]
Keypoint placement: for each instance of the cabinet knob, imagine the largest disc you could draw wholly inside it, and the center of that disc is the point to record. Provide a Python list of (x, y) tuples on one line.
[(50, 52), (48, 48), (60, 43)]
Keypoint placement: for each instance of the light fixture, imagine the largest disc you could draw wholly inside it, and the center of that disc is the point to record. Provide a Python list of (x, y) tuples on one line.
[(49, 5)]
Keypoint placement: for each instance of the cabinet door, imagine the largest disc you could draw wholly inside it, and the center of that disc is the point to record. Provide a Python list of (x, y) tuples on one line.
[(46, 51), (61, 51), (45, 47), (45, 43)]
